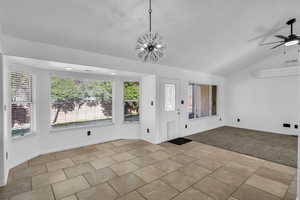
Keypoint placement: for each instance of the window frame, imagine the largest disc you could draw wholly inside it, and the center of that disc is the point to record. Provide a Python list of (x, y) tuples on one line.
[(175, 97), (22, 69), (210, 101), (123, 102), (80, 76)]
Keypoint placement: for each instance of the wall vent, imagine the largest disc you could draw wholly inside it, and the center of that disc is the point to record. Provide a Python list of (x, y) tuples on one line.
[(278, 72)]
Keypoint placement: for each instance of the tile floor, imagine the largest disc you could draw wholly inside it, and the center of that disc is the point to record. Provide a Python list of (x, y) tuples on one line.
[(137, 170)]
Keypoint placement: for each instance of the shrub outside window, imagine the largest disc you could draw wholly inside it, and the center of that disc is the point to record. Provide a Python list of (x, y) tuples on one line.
[(78, 102), (131, 101)]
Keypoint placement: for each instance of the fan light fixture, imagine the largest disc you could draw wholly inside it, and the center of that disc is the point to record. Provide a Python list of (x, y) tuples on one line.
[(291, 43), (290, 40), (150, 46)]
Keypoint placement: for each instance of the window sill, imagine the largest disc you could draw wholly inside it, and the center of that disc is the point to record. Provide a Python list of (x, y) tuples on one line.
[(130, 122), (28, 135), (204, 118), (62, 129)]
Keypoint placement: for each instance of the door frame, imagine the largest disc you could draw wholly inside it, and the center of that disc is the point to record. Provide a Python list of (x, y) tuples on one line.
[(177, 112)]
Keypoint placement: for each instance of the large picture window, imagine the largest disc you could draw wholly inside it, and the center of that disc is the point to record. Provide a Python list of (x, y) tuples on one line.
[(202, 100), (21, 103), (131, 101), (77, 102)]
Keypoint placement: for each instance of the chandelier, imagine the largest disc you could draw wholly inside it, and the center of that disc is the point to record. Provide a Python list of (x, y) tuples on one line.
[(150, 46)]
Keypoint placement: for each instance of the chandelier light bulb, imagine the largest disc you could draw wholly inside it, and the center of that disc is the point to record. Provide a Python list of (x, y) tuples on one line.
[(150, 47)]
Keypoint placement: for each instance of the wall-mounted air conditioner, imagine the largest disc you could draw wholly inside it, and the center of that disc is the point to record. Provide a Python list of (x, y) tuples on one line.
[(278, 72)]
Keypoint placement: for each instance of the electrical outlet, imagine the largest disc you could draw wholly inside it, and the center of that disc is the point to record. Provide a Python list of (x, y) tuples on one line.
[(238, 120), (286, 125), (89, 133), (148, 130), (186, 126), (296, 126)]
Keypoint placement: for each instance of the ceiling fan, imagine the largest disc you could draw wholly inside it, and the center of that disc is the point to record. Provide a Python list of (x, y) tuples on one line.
[(287, 41)]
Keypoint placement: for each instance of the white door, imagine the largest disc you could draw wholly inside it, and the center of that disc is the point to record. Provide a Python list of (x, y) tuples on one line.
[(170, 109)]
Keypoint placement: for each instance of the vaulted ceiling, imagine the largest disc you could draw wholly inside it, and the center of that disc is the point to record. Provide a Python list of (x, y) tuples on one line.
[(213, 36)]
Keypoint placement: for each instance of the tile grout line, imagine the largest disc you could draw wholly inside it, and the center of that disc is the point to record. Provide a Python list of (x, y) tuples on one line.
[(146, 183), (253, 173), (244, 182), (287, 191), (199, 181), (193, 162), (52, 190), (119, 195)]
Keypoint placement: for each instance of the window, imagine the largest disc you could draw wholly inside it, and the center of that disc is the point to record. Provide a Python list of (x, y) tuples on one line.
[(21, 103), (202, 100), (170, 97), (131, 101), (76, 102)]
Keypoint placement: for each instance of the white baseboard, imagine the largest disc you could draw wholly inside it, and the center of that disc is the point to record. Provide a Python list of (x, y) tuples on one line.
[(3, 180), (2, 183)]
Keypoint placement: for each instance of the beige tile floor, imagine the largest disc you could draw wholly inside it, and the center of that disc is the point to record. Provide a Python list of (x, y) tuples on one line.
[(137, 170)]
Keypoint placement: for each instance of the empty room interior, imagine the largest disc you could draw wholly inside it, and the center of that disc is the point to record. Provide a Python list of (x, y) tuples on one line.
[(149, 100)]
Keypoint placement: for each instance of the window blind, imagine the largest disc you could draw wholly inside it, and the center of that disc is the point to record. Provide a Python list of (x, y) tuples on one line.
[(21, 103), (21, 87), (202, 100)]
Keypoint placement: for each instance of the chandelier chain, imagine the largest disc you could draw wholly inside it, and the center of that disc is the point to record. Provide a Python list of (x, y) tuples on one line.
[(150, 15)]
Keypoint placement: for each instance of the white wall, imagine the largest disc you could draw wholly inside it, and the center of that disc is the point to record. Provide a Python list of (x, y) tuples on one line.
[(2, 133), (148, 111), (2, 137), (298, 164), (263, 103)]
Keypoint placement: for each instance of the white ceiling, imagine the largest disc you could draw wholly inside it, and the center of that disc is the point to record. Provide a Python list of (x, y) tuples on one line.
[(215, 36)]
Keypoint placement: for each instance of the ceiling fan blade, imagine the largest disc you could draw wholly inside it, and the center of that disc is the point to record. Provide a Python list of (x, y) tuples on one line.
[(278, 45), (281, 37), (268, 43)]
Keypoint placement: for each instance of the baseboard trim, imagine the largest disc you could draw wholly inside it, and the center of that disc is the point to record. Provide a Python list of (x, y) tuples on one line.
[(261, 130), (77, 146), (2, 183)]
